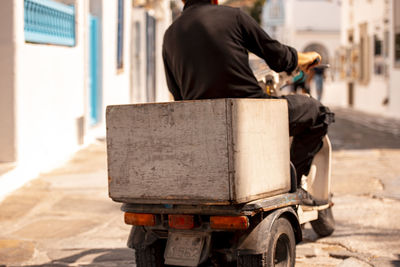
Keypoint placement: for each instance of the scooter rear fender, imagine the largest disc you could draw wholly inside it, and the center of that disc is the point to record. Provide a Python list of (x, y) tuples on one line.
[(256, 241)]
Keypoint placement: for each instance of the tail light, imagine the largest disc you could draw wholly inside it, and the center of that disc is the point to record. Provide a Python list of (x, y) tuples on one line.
[(181, 221), (142, 219), (229, 222)]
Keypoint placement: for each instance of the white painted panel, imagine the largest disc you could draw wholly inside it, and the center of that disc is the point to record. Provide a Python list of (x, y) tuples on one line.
[(261, 148)]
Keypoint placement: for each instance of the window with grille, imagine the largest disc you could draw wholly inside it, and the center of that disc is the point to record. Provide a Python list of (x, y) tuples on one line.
[(49, 22)]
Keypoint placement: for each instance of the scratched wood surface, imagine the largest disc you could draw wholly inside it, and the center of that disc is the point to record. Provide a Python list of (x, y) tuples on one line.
[(168, 151), (191, 152)]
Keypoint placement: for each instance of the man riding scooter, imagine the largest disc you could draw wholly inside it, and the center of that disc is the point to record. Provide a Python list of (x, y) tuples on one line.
[(205, 53)]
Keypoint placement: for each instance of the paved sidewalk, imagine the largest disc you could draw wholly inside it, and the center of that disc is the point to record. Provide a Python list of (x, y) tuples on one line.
[(366, 188), (65, 218)]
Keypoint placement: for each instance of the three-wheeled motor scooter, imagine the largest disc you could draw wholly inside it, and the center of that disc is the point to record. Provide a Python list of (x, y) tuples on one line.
[(210, 183)]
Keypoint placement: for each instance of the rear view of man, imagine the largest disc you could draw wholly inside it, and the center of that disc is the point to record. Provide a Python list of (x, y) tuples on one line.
[(205, 53)]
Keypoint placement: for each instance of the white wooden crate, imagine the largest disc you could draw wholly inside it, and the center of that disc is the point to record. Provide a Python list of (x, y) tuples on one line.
[(219, 151)]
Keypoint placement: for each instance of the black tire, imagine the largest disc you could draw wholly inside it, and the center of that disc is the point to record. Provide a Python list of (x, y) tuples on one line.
[(325, 224), (281, 250), (250, 260), (152, 255)]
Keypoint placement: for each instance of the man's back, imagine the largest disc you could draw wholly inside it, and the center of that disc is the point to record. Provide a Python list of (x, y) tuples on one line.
[(206, 53)]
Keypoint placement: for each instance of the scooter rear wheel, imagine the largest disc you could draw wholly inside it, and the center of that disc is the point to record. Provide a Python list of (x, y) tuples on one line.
[(152, 255), (281, 251)]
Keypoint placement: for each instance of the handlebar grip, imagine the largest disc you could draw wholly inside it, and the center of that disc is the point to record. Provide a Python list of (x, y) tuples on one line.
[(316, 61)]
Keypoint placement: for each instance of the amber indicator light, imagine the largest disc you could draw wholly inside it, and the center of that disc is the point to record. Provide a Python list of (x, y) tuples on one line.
[(229, 222), (142, 219)]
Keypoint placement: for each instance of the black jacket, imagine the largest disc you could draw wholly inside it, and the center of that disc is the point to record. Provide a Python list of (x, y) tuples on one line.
[(205, 53)]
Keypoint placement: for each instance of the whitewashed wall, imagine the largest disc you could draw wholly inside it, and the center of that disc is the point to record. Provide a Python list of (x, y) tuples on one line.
[(368, 97), (8, 82), (394, 86), (162, 14), (315, 15), (115, 82), (138, 56), (45, 95), (50, 95), (330, 40), (394, 102), (309, 22), (164, 19), (335, 94), (344, 22), (44, 105)]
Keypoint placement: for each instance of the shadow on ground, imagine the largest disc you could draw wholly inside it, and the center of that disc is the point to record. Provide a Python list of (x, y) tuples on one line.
[(396, 262), (98, 257), (346, 134)]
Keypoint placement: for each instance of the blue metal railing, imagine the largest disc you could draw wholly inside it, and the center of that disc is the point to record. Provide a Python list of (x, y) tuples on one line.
[(49, 22)]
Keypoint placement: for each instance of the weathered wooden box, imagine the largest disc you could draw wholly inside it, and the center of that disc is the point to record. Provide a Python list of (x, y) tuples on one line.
[(221, 151)]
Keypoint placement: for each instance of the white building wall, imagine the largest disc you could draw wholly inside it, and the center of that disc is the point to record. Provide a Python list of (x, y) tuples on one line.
[(370, 96), (329, 39), (8, 21), (316, 15), (50, 95), (335, 94), (394, 102), (161, 12), (394, 85), (309, 22), (44, 90), (116, 82), (361, 11), (345, 21), (138, 56), (164, 19)]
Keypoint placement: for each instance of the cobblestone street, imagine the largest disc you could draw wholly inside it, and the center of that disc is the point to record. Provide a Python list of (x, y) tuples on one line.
[(65, 218), (366, 186)]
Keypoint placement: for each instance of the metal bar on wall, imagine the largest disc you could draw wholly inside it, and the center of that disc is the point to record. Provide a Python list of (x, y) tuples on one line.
[(49, 22)]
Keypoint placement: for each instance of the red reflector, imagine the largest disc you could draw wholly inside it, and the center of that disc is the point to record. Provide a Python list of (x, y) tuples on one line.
[(181, 221), (229, 222), (142, 219)]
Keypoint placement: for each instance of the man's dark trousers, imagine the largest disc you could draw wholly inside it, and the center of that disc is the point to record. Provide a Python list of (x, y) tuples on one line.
[(308, 124)]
